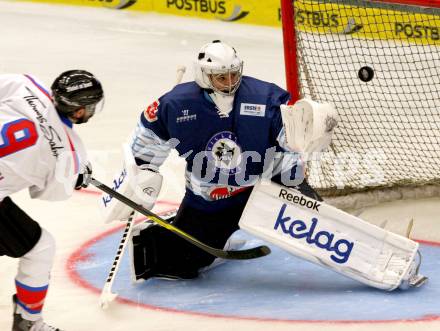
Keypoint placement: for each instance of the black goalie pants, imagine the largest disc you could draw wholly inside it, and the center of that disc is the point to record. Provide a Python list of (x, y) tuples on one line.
[(159, 252)]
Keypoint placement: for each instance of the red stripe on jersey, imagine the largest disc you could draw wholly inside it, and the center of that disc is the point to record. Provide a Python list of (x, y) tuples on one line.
[(75, 155)]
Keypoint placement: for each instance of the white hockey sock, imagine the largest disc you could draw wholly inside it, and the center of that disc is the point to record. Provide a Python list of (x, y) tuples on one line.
[(32, 279)]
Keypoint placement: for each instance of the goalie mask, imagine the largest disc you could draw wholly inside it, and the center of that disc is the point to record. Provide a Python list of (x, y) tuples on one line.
[(76, 89), (218, 68)]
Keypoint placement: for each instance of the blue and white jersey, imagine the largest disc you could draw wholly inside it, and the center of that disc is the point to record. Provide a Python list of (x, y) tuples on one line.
[(224, 155)]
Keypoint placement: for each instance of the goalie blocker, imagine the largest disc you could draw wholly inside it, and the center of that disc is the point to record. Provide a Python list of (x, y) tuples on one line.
[(331, 238), (137, 183)]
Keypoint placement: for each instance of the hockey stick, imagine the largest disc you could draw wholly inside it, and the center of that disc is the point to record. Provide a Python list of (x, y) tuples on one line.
[(107, 296), (246, 254), (180, 71)]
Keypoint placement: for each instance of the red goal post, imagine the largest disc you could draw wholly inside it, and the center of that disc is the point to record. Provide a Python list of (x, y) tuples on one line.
[(378, 63)]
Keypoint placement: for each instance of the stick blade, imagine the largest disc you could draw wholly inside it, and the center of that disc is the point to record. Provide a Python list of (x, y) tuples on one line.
[(246, 254), (105, 299)]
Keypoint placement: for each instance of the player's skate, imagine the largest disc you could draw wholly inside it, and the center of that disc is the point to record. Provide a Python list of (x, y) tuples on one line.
[(21, 324)]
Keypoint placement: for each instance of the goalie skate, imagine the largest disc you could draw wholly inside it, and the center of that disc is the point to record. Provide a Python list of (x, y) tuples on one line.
[(418, 281), (413, 278)]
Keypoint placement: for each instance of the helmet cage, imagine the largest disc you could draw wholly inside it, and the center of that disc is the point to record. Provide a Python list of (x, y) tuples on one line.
[(213, 77), (215, 60)]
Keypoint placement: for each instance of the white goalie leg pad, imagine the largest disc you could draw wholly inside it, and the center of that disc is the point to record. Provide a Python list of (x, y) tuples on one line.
[(308, 125), (329, 237), (134, 182)]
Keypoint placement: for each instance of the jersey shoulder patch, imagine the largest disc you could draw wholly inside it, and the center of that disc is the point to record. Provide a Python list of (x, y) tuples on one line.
[(150, 113)]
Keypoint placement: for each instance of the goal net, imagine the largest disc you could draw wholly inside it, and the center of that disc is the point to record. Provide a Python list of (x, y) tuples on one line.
[(378, 63)]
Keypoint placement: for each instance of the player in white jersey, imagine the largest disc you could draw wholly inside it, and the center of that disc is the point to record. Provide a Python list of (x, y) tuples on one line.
[(40, 151)]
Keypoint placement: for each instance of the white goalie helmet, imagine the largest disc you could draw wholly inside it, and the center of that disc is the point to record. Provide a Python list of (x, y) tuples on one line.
[(218, 68)]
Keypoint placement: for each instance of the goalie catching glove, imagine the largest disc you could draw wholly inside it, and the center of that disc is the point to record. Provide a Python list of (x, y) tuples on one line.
[(138, 183), (308, 125)]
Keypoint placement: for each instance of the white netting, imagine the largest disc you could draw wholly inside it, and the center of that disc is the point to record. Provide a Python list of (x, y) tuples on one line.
[(389, 131)]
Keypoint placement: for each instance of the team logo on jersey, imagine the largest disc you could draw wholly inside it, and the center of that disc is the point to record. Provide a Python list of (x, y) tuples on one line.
[(151, 112), (223, 192), (224, 152)]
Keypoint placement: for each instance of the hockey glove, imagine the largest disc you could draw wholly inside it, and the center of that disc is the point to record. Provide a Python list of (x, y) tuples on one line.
[(309, 125), (84, 177)]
